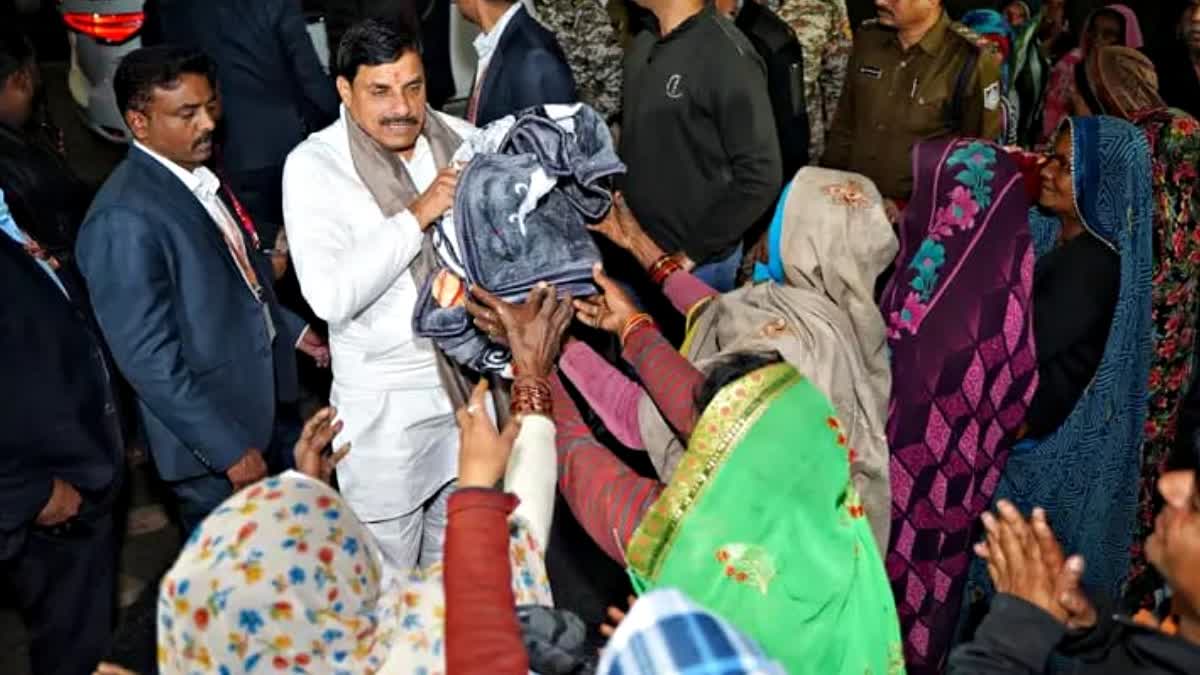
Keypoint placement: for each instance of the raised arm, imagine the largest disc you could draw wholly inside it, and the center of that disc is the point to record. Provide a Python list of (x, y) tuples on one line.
[(606, 496)]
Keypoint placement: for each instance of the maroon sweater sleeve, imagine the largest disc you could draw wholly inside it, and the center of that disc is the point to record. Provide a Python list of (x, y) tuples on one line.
[(482, 631), (670, 379), (606, 496)]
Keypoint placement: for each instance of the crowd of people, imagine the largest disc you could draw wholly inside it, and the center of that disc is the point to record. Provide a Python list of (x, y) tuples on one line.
[(902, 317)]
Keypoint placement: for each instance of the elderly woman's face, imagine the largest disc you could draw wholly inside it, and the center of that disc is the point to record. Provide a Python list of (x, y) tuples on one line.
[(1058, 185)]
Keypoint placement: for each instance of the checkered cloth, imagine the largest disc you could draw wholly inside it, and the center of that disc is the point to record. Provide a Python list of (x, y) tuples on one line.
[(665, 634)]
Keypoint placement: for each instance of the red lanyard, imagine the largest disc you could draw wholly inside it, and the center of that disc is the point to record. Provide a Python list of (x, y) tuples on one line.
[(243, 217)]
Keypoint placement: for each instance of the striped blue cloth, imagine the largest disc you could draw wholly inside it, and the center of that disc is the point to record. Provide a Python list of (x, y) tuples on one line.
[(665, 634)]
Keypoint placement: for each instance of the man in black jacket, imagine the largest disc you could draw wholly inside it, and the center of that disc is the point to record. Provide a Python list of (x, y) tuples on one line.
[(273, 90), (776, 43), (698, 136), (1039, 609), (61, 458)]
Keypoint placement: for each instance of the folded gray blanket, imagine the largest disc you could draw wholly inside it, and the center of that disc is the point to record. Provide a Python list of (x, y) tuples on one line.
[(520, 217)]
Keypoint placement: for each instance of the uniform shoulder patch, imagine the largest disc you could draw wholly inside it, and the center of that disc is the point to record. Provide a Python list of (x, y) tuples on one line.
[(981, 43)]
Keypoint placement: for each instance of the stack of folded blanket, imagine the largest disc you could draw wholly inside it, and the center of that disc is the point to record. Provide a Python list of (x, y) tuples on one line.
[(530, 185)]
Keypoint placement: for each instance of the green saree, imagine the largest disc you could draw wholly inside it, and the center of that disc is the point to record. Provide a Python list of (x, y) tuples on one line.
[(760, 523)]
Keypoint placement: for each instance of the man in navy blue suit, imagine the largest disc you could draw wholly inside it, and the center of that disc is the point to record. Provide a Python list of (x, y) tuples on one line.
[(520, 62), (182, 293)]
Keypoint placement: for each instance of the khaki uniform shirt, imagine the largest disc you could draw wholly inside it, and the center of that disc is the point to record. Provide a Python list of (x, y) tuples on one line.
[(894, 99)]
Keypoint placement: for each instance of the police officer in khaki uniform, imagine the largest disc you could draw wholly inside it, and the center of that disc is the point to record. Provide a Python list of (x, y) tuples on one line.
[(914, 75)]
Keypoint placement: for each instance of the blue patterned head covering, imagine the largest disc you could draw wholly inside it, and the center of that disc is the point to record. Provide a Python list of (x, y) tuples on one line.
[(991, 22), (1086, 474)]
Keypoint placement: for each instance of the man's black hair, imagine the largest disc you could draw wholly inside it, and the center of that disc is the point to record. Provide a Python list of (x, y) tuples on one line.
[(373, 42), (16, 52), (150, 68), (729, 370)]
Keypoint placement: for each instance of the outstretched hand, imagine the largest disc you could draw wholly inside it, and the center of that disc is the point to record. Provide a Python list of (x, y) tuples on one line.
[(483, 451), (609, 311), (622, 228), (319, 431), (614, 616), (619, 225), (533, 329)]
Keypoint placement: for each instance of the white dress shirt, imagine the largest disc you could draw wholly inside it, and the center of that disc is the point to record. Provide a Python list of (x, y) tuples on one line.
[(353, 267), (205, 185), (485, 43)]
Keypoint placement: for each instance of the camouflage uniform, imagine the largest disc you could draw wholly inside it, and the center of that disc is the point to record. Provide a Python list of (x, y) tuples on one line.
[(823, 28), (593, 49)]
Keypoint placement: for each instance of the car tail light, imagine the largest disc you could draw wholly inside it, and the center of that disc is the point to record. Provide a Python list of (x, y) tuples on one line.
[(115, 28)]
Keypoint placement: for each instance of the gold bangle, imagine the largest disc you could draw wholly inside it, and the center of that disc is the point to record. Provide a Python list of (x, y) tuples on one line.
[(632, 324)]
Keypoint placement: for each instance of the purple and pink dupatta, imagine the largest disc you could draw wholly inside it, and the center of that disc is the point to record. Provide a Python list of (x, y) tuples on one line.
[(960, 328)]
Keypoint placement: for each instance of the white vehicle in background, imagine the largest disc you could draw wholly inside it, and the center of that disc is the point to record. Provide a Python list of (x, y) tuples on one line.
[(101, 33)]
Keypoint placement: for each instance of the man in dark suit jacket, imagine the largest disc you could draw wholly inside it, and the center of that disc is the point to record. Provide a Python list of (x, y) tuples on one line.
[(182, 293), (776, 43), (520, 62), (274, 91), (61, 458)]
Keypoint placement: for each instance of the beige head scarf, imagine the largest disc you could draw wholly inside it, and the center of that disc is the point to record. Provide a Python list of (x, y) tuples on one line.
[(1124, 81), (835, 242)]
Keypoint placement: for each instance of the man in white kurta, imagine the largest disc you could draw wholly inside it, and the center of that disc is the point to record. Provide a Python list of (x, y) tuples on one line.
[(353, 263)]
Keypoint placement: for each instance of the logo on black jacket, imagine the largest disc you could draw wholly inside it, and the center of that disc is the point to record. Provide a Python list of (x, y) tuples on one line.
[(675, 86)]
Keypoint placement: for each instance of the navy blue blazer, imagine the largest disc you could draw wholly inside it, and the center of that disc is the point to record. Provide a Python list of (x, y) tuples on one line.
[(528, 68), (184, 328), (60, 416)]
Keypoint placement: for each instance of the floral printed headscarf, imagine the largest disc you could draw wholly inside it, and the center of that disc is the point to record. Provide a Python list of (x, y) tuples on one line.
[(283, 577)]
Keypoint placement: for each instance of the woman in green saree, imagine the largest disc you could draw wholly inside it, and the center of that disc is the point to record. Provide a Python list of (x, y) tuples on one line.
[(761, 524)]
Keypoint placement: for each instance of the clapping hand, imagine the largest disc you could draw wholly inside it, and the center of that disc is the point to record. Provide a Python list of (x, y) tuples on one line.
[(319, 432), (1027, 561)]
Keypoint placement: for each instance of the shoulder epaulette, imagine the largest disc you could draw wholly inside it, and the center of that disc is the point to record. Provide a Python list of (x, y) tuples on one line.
[(971, 36)]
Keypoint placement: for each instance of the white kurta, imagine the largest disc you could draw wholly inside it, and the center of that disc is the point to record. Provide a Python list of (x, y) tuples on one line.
[(353, 267)]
